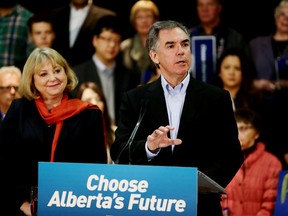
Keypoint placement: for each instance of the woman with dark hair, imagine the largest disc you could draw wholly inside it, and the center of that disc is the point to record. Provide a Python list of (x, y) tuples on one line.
[(235, 74), (91, 92), (253, 189)]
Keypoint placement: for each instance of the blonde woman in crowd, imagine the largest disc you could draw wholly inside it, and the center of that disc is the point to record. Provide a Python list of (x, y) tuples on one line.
[(47, 124), (142, 15), (270, 55), (268, 50)]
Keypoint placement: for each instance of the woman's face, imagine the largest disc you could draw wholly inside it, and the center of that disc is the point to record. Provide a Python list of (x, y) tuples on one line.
[(144, 19), (230, 72), (91, 96), (50, 81), (281, 20)]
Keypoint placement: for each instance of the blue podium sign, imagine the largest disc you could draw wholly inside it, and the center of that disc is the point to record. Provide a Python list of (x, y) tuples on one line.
[(204, 52), (281, 206), (107, 189)]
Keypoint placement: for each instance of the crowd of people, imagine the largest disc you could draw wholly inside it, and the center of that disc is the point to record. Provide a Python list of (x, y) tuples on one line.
[(135, 100)]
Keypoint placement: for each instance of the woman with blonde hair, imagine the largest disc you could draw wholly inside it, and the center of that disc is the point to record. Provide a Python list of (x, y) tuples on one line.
[(47, 124), (135, 57)]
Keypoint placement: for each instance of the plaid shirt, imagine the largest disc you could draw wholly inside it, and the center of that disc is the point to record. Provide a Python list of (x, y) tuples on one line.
[(14, 40)]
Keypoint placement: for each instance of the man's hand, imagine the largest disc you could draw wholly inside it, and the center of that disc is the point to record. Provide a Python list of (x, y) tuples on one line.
[(159, 138)]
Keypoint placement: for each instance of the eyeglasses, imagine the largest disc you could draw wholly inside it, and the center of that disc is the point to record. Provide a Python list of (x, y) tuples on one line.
[(283, 14), (8, 88), (244, 128), (110, 40)]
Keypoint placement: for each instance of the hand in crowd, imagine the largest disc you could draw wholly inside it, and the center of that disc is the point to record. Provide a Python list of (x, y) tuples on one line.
[(281, 84), (25, 208), (263, 84), (159, 138)]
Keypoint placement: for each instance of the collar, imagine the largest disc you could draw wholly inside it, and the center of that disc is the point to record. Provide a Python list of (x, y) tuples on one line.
[(2, 116), (179, 89), (102, 67), (83, 10)]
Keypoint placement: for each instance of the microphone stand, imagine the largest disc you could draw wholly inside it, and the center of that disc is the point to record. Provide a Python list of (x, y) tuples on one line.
[(132, 136)]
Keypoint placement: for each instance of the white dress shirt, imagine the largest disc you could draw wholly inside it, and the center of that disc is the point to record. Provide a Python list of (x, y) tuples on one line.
[(77, 17), (175, 98)]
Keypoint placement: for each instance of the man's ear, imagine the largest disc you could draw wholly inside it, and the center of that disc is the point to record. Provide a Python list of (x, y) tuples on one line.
[(94, 41), (154, 57), (30, 37)]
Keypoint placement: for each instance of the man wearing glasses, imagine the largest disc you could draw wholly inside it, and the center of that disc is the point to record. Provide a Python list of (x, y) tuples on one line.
[(105, 67), (9, 81)]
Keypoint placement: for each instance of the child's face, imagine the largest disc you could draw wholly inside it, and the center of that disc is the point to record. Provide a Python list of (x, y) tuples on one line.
[(247, 135)]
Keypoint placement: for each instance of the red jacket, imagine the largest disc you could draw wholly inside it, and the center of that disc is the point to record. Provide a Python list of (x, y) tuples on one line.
[(253, 190)]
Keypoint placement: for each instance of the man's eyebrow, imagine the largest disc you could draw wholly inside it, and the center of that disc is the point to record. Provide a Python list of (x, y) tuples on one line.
[(186, 40), (169, 42)]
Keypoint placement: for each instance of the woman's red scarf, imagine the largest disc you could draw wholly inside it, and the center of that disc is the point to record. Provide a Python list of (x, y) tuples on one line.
[(67, 108)]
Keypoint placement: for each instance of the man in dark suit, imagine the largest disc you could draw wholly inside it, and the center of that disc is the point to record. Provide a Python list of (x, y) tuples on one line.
[(181, 121), (73, 25), (212, 24), (105, 68)]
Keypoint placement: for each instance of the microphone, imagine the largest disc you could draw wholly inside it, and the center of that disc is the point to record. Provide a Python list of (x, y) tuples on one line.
[(132, 136)]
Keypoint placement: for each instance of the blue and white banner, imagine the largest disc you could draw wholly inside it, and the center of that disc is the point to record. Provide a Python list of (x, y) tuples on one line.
[(281, 206), (76, 189), (204, 53)]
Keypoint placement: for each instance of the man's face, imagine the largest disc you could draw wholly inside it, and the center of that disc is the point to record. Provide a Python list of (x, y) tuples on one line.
[(208, 11), (42, 34), (107, 46), (173, 54), (9, 83)]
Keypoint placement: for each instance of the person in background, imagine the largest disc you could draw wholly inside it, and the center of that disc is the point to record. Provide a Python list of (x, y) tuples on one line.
[(268, 50), (135, 57), (234, 74), (91, 92), (10, 77), (211, 23), (14, 39), (41, 32), (253, 190), (47, 125), (270, 54), (74, 25), (105, 67), (178, 118)]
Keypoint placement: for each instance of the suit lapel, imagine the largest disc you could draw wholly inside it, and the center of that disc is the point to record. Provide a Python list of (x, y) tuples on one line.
[(192, 105)]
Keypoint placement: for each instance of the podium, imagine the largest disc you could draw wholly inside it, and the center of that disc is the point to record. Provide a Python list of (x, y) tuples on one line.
[(208, 185), (109, 189)]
